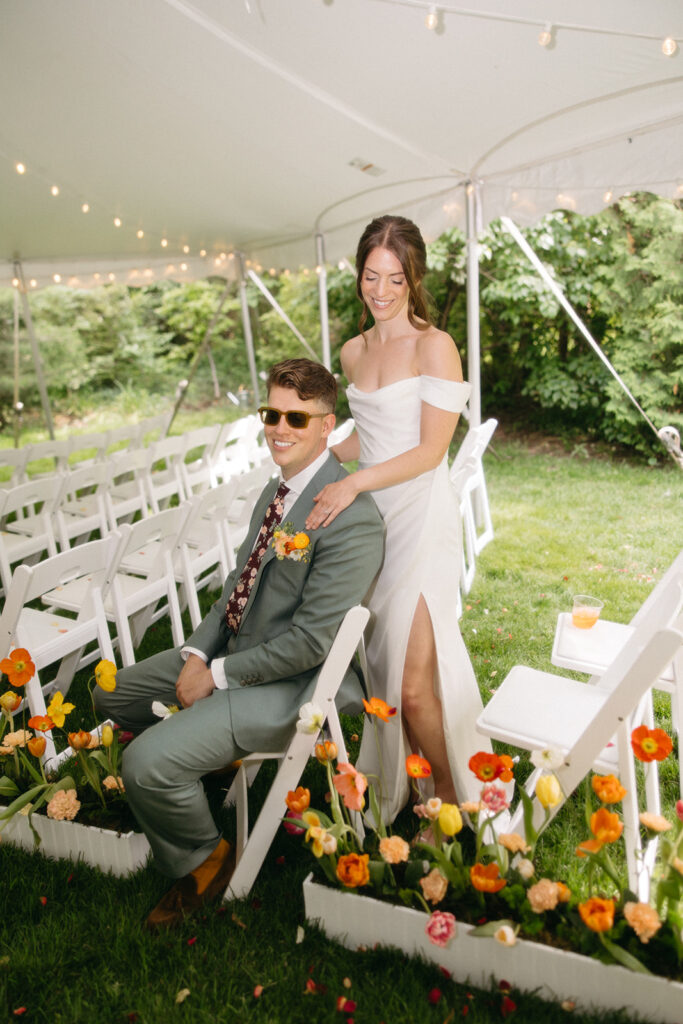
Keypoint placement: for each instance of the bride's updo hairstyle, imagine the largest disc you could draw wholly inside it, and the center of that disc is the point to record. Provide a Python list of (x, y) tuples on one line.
[(402, 238)]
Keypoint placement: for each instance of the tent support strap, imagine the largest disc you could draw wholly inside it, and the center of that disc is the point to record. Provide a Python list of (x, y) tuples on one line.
[(246, 326), (322, 293), (281, 313), (473, 208), (35, 351)]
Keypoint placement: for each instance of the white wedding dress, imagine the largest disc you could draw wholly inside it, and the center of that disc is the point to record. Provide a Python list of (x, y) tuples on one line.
[(422, 556)]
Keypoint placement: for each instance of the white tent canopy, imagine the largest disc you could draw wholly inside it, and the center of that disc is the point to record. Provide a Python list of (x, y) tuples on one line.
[(220, 126)]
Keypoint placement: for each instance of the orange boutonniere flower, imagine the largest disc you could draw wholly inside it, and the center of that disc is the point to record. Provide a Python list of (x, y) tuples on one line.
[(484, 877), (608, 789), (488, 767), (378, 707), (18, 667), (650, 744), (418, 767), (287, 544), (597, 913)]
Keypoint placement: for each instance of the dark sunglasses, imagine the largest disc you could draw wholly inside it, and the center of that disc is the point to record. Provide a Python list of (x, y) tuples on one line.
[(293, 418)]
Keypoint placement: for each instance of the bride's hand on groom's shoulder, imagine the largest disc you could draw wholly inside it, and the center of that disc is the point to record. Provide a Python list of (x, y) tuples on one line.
[(329, 502)]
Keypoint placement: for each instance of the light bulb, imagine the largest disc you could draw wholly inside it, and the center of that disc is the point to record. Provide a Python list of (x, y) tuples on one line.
[(202, 253), (33, 283), (164, 243), (117, 222), (112, 277), (20, 168), (54, 190), (607, 198), (85, 208), (15, 282), (545, 36), (56, 278), (97, 276), (183, 266), (186, 249), (432, 19), (669, 47)]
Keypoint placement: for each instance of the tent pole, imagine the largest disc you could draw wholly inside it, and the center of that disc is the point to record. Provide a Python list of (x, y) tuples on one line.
[(322, 292), (472, 202), (16, 404), (37, 361), (246, 325), (281, 313), (204, 347)]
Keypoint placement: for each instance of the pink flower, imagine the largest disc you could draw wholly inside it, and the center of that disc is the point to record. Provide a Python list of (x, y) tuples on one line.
[(679, 810), (440, 928), (494, 798), (288, 826), (351, 785)]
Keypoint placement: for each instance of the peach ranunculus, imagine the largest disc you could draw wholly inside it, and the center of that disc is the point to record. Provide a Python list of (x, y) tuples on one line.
[(608, 789), (644, 920), (393, 849), (352, 870), (16, 739), (597, 913), (544, 895), (655, 822), (513, 842), (10, 701), (350, 784), (36, 746), (64, 805), (18, 667), (434, 886), (650, 744), (378, 707), (488, 767), (114, 783), (606, 826), (485, 878), (471, 806), (441, 928), (298, 799)]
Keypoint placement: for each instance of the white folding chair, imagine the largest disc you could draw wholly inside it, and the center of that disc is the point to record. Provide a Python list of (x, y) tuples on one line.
[(81, 509), (196, 466), (50, 636), (249, 486), (472, 485), (154, 428), (15, 460), (341, 432), (237, 448), (591, 725), (126, 493), (252, 848), (125, 436), (26, 526), (55, 451), (164, 477), (87, 448), (592, 650)]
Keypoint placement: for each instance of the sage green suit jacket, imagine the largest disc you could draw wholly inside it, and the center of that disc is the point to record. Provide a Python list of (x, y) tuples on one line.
[(292, 615)]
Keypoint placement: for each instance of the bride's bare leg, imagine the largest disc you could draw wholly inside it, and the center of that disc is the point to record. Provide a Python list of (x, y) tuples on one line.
[(420, 706)]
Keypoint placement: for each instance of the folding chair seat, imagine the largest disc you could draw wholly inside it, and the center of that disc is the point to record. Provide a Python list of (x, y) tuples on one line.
[(139, 583), (252, 847), (81, 508), (591, 725), (592, 650), (87, 448), (54, 453), (126, 494), (164, 476), (26, 525), (51, 636), (13, 460), (196, 467)]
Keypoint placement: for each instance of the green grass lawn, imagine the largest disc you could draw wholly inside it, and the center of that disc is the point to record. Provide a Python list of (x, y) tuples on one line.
[(73, 947)]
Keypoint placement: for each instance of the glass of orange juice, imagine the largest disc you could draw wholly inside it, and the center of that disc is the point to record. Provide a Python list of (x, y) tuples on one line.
[(585, 611)]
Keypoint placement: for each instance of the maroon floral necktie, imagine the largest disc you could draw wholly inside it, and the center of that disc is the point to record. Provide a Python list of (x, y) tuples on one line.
[(240, 595)]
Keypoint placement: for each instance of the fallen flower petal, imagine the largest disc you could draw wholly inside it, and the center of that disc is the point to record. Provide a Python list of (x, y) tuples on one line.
[(192, 941), (182, 995), (300, 933), (434, 996), (258, 989)]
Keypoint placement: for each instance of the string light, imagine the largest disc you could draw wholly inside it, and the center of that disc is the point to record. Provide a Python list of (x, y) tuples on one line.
[(432, 18), (56, 278), (607, 198), (117, 222), (85, 208), (112, 277), (15, 282), (140, 233), (202, 253), (183, 266), (164, 243), (545, 36), (54, 190), (186, 249), (20, 168), (33, 283), (669, 47)]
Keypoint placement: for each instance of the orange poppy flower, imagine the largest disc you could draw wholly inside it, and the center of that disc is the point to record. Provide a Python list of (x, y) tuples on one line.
[(41, 723), (418, 767), (36, 745), (298, 799), (597, 913), (650, 744), (606, 826), (484, 877), (378, 707), (18, 667), (488, 767), (608, 789), (588, 846)]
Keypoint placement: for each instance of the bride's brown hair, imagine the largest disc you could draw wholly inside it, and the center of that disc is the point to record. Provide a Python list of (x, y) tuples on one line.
[(402, 238)]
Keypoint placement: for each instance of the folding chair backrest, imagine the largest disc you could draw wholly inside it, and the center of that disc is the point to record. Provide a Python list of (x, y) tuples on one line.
[(87, 448), (56, 451), (15, 460), (81, 504), (196, 466), (649, 605), (125, 436), (165, 480), (154, 428), (474, 444)]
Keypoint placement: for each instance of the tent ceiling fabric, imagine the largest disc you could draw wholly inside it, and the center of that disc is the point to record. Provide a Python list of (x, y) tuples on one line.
[(233, 125)]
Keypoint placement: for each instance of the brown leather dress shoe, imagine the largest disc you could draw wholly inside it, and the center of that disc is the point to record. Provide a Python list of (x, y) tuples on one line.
[(194, 890)]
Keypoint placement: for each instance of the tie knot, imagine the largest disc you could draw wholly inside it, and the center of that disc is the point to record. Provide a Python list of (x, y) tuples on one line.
[(281, 491)]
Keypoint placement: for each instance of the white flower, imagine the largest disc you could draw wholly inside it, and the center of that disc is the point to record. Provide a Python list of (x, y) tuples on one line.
[(523, 865), (550, 758), (311, 718), (160, 710), (506, 935)]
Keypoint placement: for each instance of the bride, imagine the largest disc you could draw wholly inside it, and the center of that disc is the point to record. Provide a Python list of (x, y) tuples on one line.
[(406, 393)]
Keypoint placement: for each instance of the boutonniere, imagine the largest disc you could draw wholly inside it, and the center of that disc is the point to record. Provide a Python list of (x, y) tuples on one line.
[(287, 544)]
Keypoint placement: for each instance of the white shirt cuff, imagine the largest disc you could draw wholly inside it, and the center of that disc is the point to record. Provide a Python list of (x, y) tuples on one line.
[(217, 670)]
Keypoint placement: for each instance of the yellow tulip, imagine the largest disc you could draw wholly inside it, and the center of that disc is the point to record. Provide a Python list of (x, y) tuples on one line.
[(450, 819), (548, 791), (10, 701), (107, 735)]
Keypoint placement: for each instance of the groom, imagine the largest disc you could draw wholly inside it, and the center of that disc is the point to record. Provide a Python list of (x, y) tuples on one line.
[(253, 661)]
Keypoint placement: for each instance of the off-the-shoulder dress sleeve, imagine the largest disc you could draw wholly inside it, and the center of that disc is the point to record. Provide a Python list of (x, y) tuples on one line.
[(451, 395)]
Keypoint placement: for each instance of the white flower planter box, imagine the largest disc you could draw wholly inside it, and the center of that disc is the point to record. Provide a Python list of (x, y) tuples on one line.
[(121, 853), (355, 920)]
